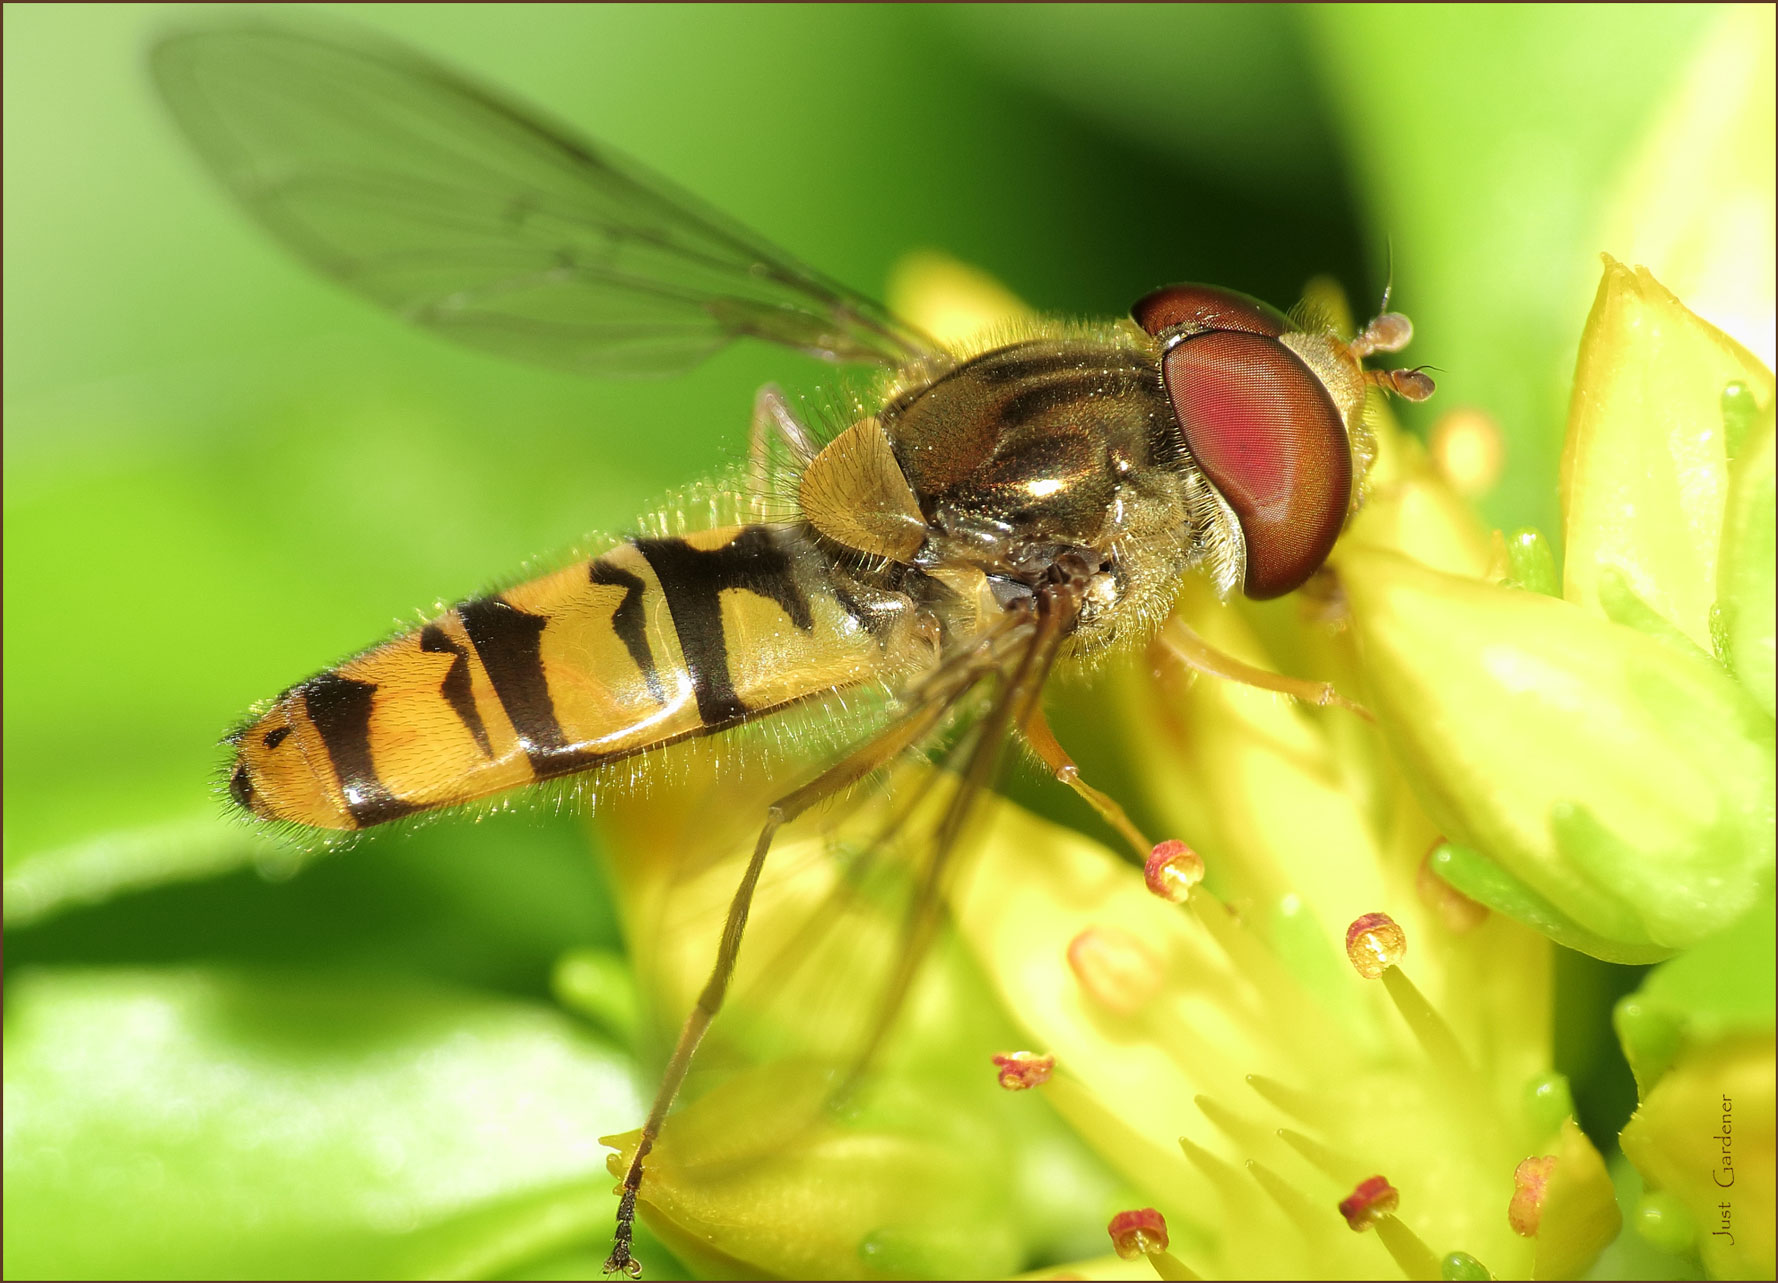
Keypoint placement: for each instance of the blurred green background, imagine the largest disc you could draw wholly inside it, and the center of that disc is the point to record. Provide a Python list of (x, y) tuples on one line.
[(221, 473)]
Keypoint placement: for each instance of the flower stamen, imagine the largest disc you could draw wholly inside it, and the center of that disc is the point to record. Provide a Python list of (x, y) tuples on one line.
[(1531, 1179), (1221, 1173), (1138, 1233), (1429, 1028), (1173, 869), (1374, 944), (1300, 1105), (1411, 1254), (1244, 1132), (1372, 1199), (1144, 1233), (1022, 1070), (1293, 1018)]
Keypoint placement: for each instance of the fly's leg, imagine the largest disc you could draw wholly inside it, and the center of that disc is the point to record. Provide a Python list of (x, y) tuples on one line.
[(1057, 608), (1179, 641), (936, 700), (1049, 750), (773, 419)]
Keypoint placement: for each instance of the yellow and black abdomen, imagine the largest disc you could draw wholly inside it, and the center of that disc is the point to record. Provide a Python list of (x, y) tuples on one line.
[(651, 642)]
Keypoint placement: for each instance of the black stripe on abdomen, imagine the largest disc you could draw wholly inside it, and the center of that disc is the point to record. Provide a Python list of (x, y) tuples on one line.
[(456, 687), (509, 643), (629, 621), (340, 709), (694, 580)]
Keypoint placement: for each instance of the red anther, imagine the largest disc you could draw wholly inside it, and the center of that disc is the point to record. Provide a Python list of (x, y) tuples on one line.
[(1173, 869), (1531, 1180), (1022, 1070), (1370, 1202), (1374, 943), (1139, 1233)]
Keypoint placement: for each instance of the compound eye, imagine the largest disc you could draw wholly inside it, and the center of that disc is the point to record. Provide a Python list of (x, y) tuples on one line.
[(1207, 307), (1267, 435)]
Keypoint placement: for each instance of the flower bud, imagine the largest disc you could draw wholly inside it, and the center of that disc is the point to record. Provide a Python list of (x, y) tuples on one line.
[(1645, 471), (1622, 781)]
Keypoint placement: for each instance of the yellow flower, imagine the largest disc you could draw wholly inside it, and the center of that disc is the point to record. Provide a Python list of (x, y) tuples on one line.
[(1224, 1058)]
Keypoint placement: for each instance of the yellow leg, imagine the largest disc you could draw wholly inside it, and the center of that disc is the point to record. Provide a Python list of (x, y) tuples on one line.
[(1178, 640), (1043, 742)]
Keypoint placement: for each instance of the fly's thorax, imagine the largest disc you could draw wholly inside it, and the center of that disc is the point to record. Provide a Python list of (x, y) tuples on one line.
[(987, 476), (982, 477), (1040, 443)]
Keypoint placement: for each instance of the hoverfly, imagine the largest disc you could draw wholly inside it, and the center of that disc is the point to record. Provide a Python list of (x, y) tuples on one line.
[(990, 511)]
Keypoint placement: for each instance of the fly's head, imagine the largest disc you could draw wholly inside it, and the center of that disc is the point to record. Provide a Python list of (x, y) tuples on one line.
[(1272, 414)]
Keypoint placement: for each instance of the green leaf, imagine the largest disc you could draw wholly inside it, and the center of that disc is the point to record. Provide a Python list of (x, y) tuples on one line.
[(205, 1123), (42, 883)]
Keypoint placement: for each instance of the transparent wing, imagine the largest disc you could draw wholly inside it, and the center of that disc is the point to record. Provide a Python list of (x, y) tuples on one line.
[(474, 217)]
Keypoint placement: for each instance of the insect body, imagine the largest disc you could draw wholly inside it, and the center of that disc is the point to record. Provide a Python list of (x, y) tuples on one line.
[(987, 512), (957, 501)]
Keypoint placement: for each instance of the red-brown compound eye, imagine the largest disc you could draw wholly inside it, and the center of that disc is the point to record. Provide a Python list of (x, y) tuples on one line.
[(1267, 435), (1207, 307)]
